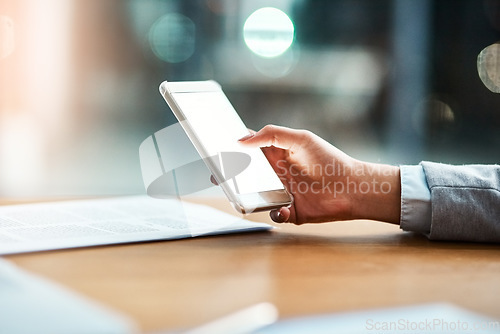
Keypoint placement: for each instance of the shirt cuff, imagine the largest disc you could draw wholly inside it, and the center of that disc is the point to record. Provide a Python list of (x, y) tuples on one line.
[(416, 210)]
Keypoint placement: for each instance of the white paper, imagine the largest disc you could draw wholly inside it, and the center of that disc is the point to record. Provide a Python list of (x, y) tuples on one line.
[(31, 304), (69, 224), (413, 319)]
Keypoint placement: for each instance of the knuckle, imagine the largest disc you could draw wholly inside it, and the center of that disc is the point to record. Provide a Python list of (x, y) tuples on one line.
[(270, 132), (306, 136), (306, 133), (269, 128)]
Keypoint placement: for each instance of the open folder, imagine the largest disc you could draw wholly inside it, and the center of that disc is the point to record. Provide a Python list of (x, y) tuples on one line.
[(69, 224)]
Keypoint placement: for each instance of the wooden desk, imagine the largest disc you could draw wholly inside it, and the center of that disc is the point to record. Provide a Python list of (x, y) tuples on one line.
[(301, 269)]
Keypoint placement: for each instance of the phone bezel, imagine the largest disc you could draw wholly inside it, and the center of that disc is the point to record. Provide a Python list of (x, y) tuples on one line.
[(243, 203)]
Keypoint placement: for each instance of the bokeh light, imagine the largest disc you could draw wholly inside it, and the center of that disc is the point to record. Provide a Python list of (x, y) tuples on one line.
[(441, 112), (442, 120), (6, 36), (488, 66), (435, 118), (277, 67), (268, 32), (172, 38)]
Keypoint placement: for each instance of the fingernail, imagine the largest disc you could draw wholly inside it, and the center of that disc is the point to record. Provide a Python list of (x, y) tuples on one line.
[(275, 216), (248, 136), (279, 217)]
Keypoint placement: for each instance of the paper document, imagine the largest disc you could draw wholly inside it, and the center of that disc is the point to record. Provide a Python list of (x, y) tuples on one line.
[(68, 224), (413, 319), (32, 304)]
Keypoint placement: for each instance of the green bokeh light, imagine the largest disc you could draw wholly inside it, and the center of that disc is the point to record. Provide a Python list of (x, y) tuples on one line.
[(172, 38), (268, 32)]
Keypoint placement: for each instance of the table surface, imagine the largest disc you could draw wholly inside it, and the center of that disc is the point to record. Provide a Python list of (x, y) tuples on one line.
[(303, 270)]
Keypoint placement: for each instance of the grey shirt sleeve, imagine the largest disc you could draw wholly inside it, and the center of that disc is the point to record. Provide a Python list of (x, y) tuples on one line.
[(465, 202)]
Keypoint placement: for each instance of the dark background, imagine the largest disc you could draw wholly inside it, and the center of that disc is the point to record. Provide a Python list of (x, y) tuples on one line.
[(392, 81)]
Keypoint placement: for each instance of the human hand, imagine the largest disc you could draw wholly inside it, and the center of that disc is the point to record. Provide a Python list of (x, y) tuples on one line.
[(326, 183)]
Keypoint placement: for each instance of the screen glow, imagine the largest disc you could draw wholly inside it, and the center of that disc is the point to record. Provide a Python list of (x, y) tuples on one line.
[(218, 128)]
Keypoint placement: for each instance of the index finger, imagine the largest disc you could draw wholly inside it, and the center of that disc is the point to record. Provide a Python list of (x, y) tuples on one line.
[(273, 135)]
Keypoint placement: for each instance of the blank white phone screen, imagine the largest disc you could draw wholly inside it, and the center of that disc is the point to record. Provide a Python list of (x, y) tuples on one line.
[(218, 127)]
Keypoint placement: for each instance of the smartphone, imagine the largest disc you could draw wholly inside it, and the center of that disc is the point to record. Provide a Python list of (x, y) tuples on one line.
[(214, 127)]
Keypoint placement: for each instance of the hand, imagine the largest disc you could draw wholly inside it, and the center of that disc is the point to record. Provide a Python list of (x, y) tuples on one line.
[(326, 183)]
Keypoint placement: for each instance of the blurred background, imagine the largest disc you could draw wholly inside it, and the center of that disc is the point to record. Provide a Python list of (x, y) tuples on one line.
[(393, 81)]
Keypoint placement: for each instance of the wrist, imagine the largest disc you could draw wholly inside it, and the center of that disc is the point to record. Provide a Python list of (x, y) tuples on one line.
[(378, 195)]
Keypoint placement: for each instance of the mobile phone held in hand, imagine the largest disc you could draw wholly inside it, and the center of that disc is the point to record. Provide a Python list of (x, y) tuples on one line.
[(214, 127)]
